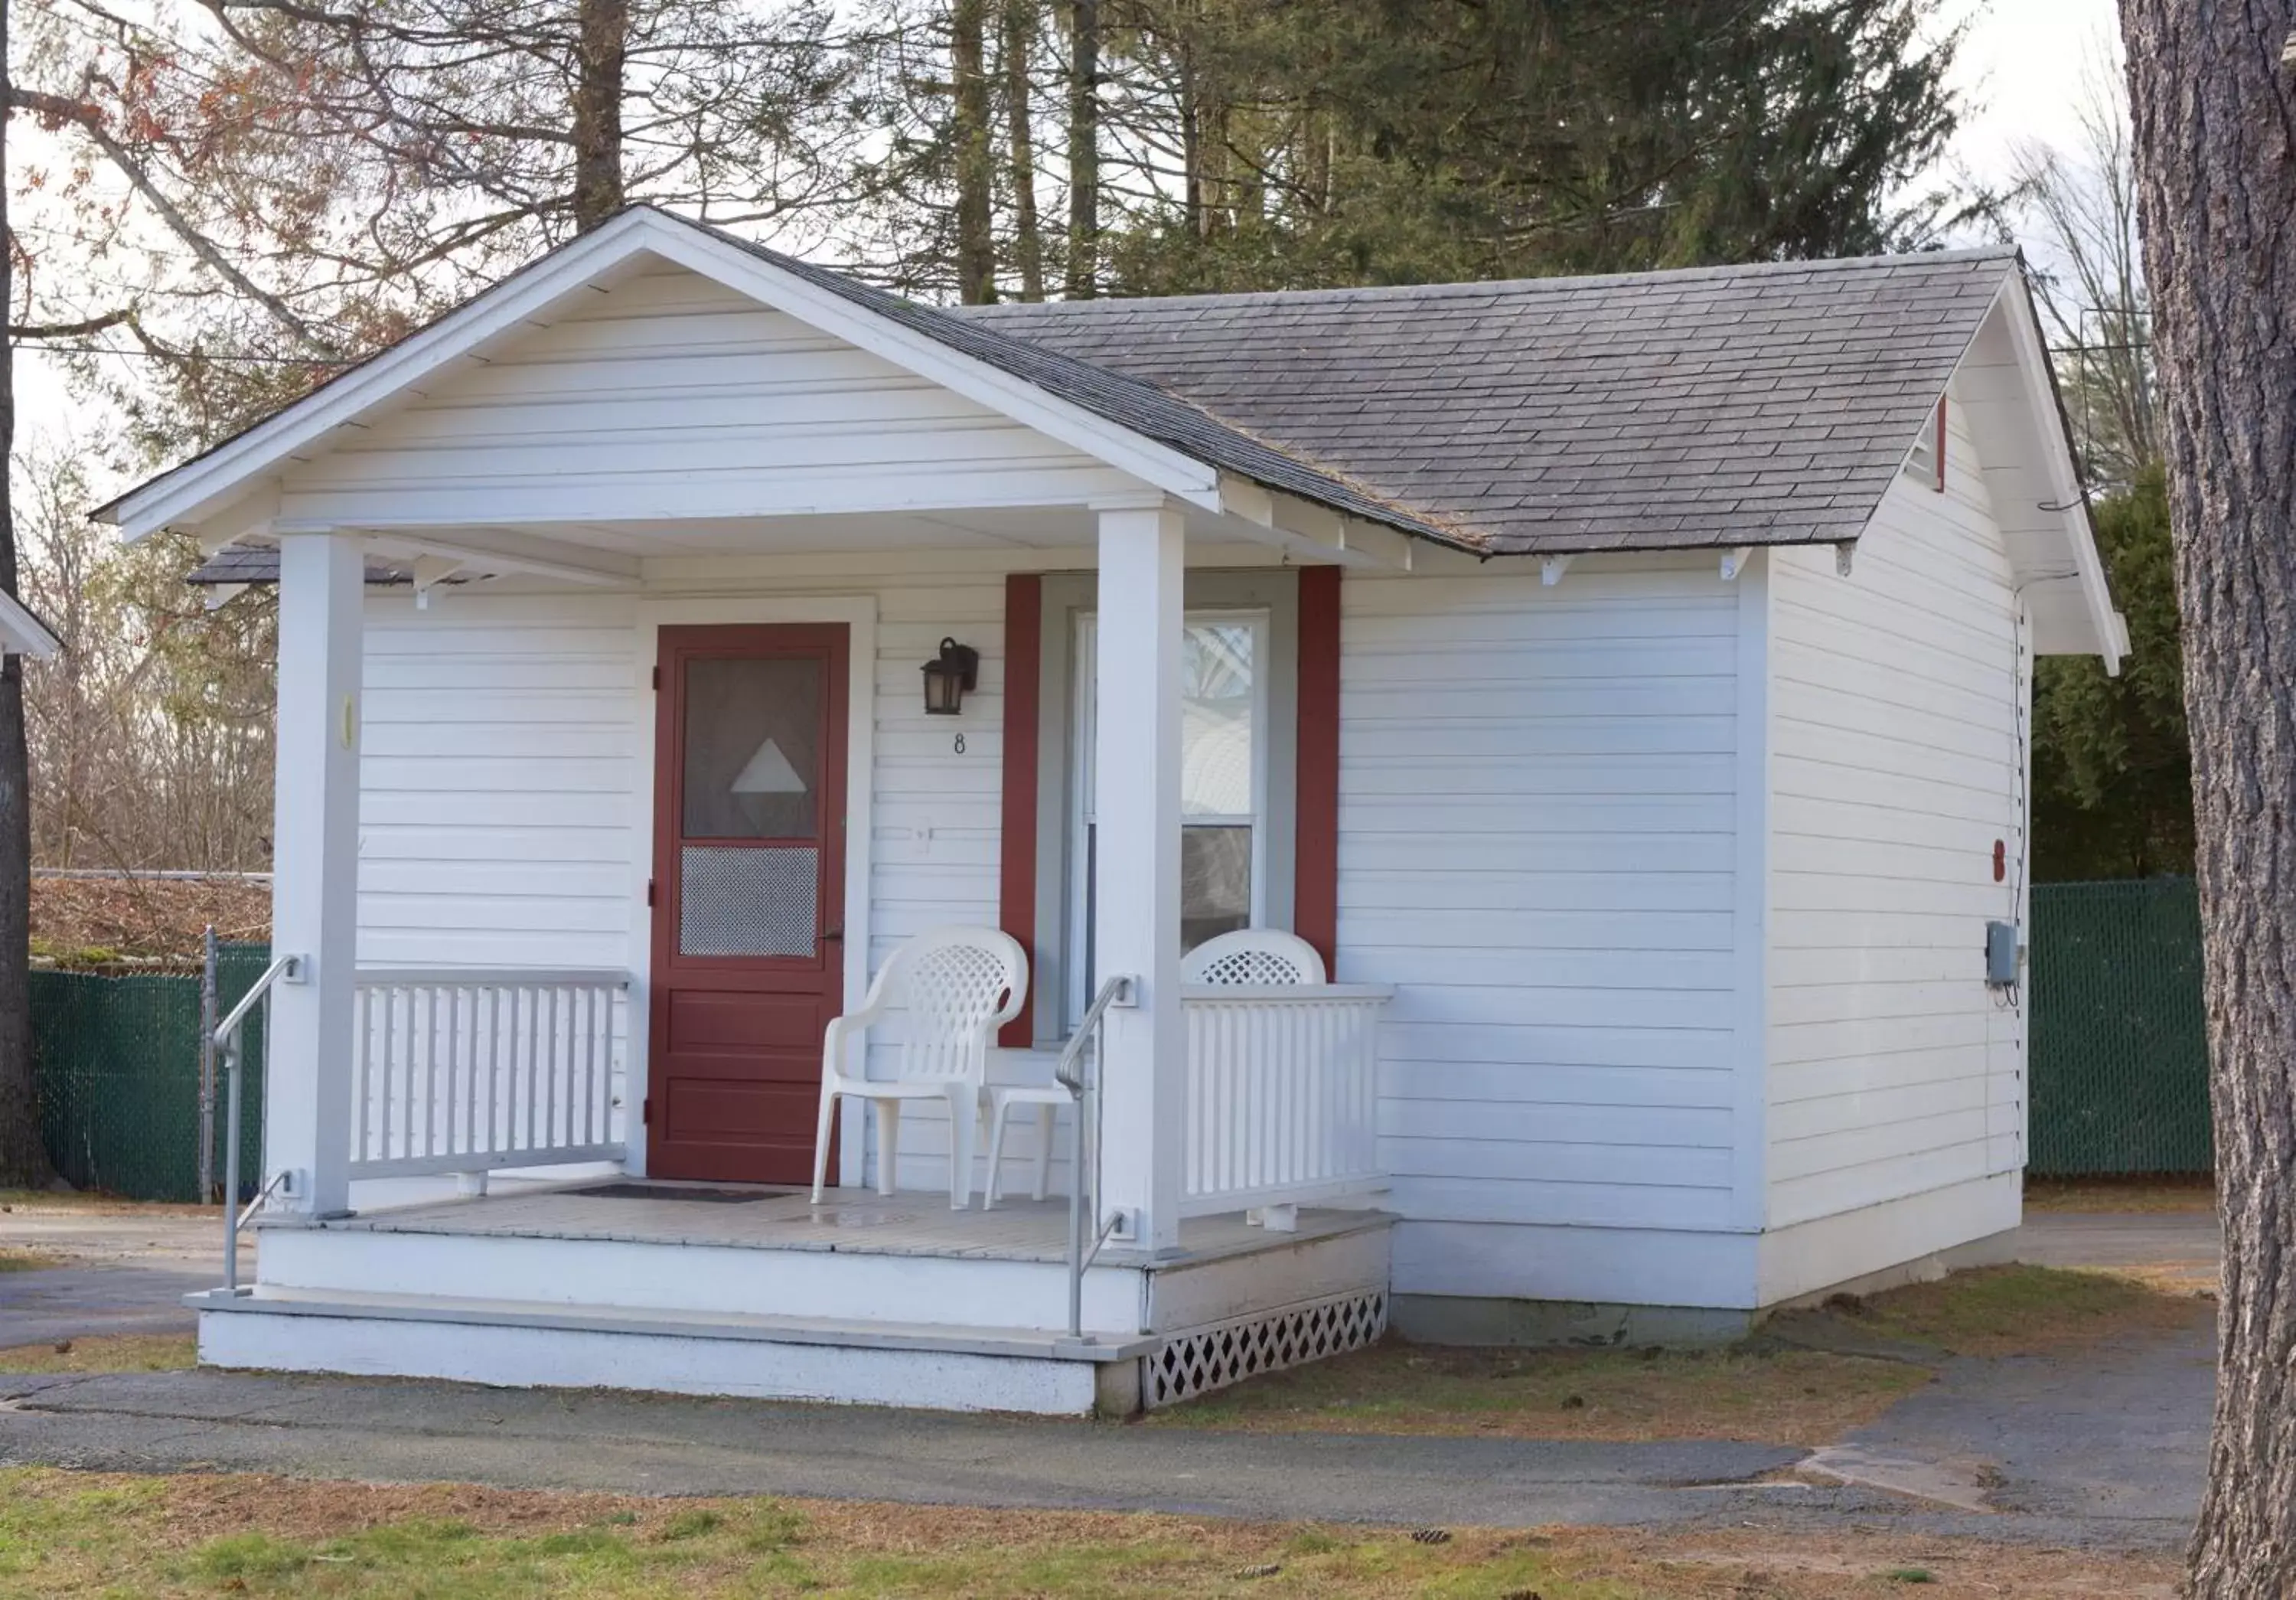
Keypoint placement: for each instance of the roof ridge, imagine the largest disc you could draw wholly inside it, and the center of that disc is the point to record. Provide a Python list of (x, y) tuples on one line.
[(1379, 292)]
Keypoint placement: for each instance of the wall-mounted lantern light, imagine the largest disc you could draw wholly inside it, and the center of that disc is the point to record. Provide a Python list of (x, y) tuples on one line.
[(947, 676)]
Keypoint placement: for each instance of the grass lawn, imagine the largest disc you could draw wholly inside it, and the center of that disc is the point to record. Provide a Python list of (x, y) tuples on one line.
[(1763, 1391), (1784, 1397), (68, 1534), (2025, 1310), (105, 1353)]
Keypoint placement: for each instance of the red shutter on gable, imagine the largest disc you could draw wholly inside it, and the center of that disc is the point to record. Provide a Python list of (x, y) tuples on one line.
[(1315, 867), (1016, 876)]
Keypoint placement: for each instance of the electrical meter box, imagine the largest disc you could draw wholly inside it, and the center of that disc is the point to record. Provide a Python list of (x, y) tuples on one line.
[(2001, 955)]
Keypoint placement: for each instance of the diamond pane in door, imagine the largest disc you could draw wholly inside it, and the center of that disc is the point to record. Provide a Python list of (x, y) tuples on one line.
[(747, 899), (752, 756)]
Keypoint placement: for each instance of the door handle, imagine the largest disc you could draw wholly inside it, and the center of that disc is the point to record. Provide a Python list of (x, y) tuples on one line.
[(828, 934)]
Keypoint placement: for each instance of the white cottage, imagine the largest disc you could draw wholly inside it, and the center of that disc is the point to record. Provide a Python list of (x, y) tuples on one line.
[(1623, 684)]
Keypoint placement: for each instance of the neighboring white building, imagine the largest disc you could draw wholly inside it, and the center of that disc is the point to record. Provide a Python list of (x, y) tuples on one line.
[(1625, 683)]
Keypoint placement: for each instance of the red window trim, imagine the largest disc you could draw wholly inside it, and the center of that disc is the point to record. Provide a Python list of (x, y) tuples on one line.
[(1315, 821), (1016, 875)]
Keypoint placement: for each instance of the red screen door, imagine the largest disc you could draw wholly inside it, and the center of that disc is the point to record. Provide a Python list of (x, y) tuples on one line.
[(749, 921)]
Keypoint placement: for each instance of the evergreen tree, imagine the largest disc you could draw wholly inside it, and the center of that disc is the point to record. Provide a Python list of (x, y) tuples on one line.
[(1371, 141), (2112, 774)]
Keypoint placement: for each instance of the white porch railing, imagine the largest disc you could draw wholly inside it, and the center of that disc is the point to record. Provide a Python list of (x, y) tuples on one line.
[(1282, 1094), (465, 1071)]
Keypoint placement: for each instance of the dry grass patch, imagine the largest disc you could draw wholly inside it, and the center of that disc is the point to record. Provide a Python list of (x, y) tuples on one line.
[(1748, 1564), (14, 1258), (66, 1534), (2024, 1311), (1777, 1397), (35, 1201), (106, 1352), (2150, 1196), (1795, 1388)]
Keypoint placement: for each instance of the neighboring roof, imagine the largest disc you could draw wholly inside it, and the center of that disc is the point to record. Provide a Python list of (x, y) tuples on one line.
[(1717, 407), (22, 632), (260, 564)]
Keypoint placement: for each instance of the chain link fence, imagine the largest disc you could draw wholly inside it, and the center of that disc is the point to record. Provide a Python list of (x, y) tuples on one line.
[(2119, 1053), (2120, 1057), (117, 1061)]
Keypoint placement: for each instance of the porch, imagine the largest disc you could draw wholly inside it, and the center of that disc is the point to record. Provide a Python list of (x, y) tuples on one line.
[(753, 1291)]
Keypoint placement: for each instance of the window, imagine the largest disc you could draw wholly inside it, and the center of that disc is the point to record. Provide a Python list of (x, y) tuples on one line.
[(1224, 810)]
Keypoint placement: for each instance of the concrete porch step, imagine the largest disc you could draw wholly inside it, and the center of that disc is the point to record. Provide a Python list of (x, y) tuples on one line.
[(538, 1344), (943, 1337)]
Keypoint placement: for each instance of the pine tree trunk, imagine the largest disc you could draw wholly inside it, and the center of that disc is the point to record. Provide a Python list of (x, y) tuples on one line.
[(976, 169), (2213, 115), (23, 1158), (603, 38), (1019, 36), (1084, 150)]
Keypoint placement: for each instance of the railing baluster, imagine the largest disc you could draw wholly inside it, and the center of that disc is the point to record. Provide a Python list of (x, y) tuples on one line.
[(459, 1070), (533, 1027)]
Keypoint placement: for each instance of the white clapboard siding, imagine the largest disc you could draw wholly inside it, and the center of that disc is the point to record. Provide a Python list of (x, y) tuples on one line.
[(496, 826), (495, 766), (1898, 707), (1537, 828), (664, 395)]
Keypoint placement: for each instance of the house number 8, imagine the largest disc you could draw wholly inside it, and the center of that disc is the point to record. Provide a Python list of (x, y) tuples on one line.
[(960, 744)]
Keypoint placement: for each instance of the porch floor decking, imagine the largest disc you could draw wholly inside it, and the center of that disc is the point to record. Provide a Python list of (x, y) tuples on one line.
[(848, 1221)]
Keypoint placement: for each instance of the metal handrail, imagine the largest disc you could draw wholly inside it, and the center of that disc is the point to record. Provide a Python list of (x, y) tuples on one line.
[(1084, 1176), (230, 1049)]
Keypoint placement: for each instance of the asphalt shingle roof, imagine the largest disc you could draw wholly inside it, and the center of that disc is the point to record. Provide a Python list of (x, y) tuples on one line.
[(1715, 407), (1719, 407)]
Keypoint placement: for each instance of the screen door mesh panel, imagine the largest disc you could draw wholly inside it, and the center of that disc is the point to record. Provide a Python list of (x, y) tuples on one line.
[(732, 901)]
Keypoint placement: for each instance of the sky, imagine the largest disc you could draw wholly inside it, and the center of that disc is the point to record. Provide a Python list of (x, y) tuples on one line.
[(2025, 65)]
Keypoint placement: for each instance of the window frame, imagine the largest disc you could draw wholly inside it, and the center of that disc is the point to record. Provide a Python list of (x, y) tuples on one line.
[(1077, 939), (1059, 597)]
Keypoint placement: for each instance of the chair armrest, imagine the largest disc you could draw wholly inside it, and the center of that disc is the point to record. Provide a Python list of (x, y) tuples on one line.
[(842, 1029)]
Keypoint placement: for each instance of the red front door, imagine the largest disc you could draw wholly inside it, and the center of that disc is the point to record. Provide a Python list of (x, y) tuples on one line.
[(749, 921)]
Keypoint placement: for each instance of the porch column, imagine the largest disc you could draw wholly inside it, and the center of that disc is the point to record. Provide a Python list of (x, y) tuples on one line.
[(307, 1092), (1136, 872)]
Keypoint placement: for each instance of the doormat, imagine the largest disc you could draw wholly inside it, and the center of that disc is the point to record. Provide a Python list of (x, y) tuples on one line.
[(678, 1192)]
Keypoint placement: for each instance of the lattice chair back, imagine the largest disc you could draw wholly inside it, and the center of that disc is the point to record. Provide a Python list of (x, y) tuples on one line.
[(1253, 955), (958, 987)]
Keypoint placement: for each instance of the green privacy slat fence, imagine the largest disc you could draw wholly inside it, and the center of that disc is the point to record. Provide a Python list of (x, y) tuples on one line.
[(117, 1066), (2120, 1052)]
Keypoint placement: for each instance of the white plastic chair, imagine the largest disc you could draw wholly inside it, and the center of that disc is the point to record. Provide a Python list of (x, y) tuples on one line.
[(958, 987), (1047, 1098), (1253, 955)]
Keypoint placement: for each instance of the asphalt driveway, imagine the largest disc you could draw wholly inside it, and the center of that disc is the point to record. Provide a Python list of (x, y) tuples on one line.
[(128, 1270)]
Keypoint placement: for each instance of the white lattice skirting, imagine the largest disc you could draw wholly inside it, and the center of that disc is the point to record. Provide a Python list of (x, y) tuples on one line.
[(1201, 1359)]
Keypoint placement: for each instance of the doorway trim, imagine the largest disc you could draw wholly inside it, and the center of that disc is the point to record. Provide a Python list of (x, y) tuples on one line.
[(858, 613)]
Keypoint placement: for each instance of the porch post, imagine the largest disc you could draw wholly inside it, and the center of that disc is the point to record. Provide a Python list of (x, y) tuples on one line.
[(1136, 872), (307, 1091)]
